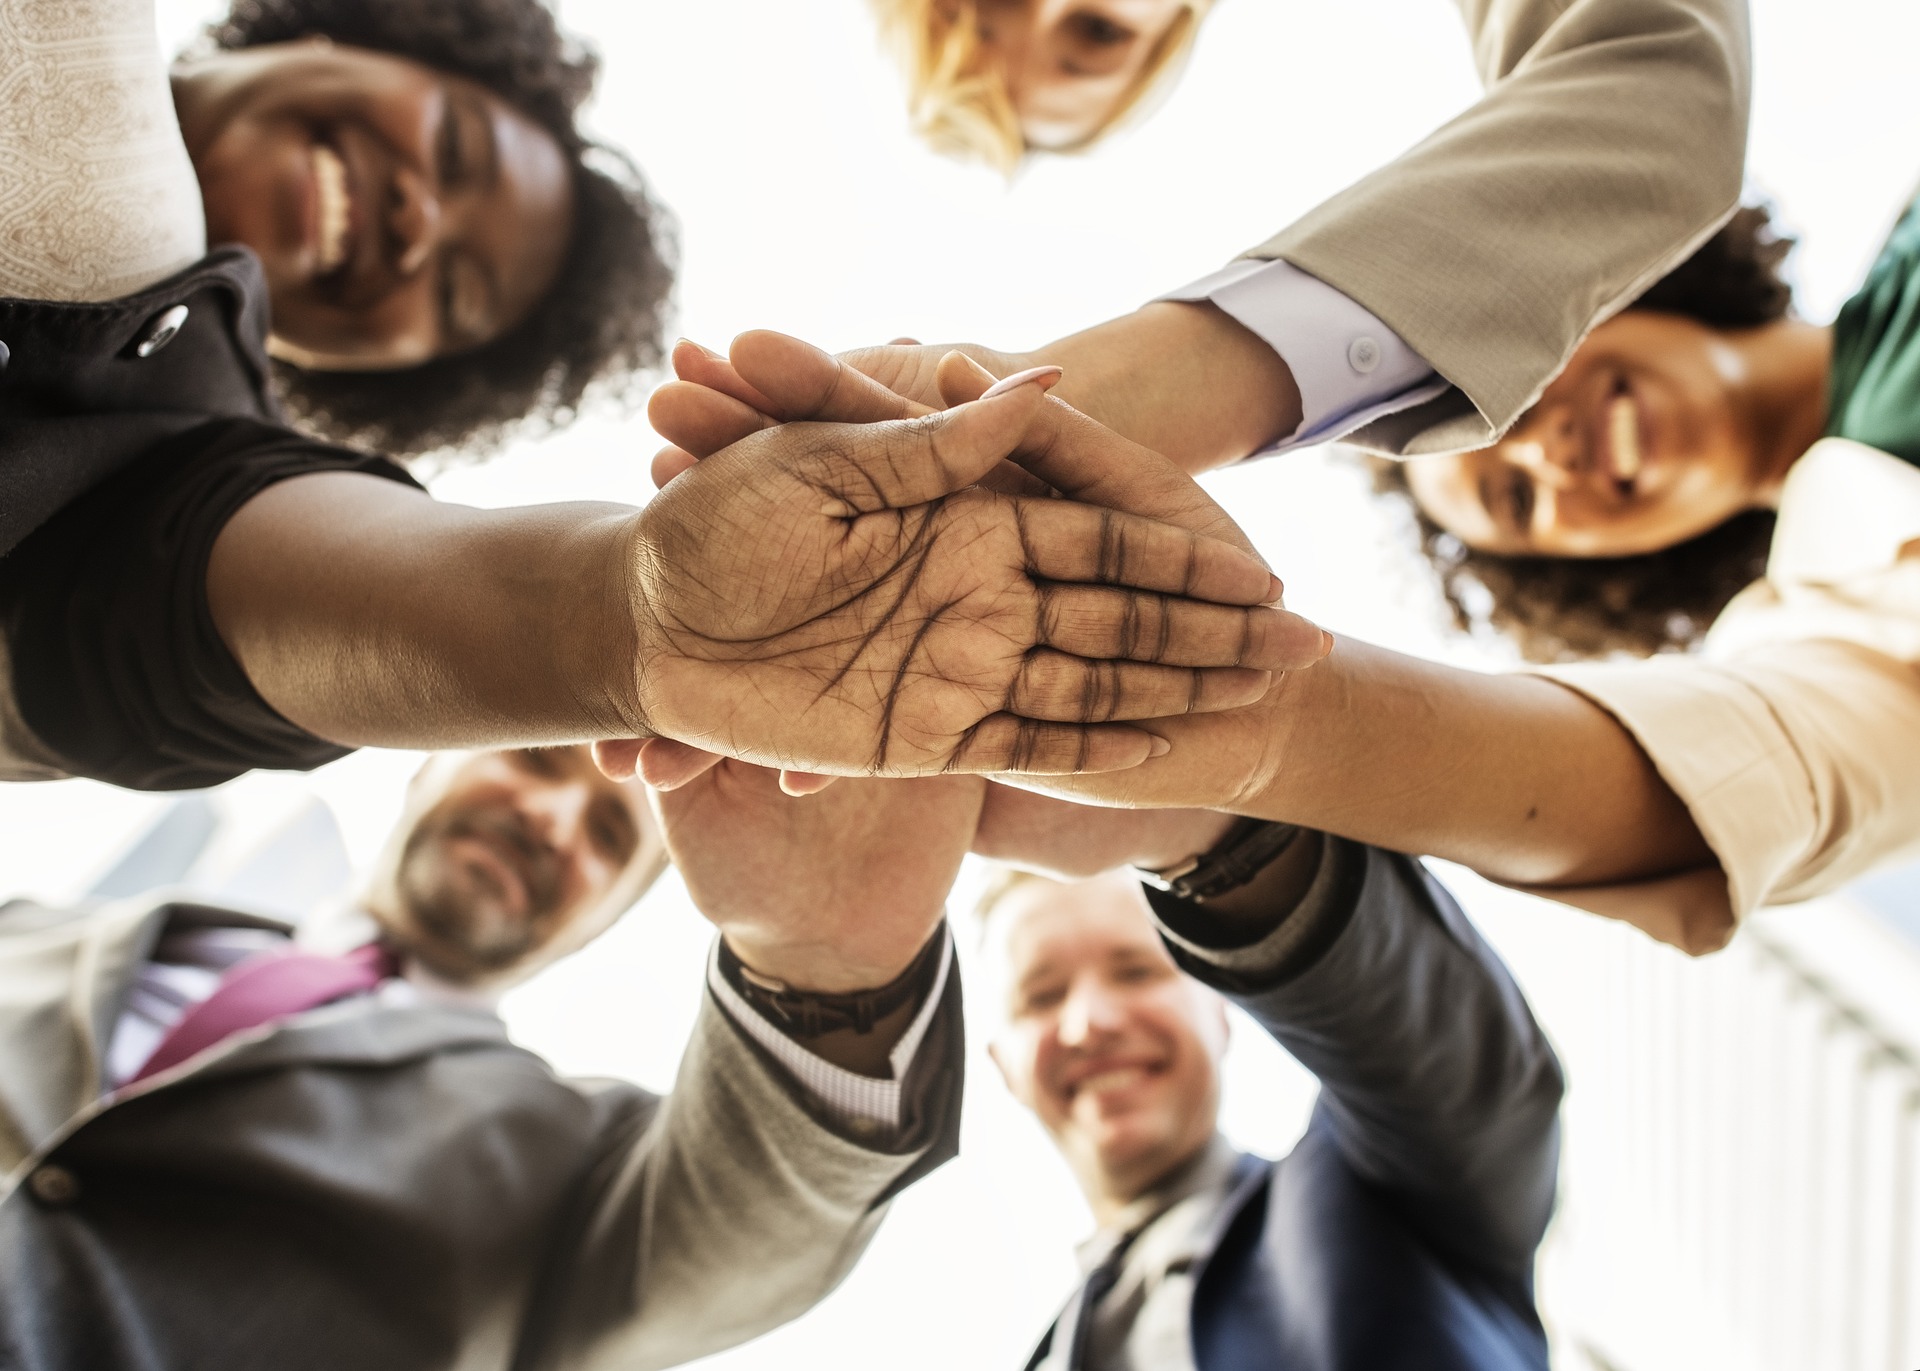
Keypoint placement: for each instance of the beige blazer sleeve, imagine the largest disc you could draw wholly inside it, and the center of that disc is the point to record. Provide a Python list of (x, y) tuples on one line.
[(736, 1210), (1794, 739), (1609, 145)]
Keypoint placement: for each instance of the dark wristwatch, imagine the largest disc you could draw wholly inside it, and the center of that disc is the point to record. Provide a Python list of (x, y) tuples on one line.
[(1249, 847), (813, 1014)]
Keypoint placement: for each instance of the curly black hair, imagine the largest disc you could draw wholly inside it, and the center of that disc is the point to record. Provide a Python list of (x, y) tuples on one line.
[(1557, 609), (596, 332)]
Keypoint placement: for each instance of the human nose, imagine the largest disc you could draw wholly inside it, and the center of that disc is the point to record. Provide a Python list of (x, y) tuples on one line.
[(414, 221), (1550, 449), (1090, 1013), (558, 813)]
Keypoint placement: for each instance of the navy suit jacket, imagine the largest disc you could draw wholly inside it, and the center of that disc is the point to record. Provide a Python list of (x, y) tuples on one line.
[(1399, 1235)]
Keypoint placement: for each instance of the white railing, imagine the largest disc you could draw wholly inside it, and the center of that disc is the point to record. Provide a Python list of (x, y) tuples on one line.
[(1741, 1185)]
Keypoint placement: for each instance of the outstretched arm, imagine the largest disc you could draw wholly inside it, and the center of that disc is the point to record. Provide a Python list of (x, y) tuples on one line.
[(1437, 1087), (770, 1166), (1518, 777), (1611, 142), (831, 597)]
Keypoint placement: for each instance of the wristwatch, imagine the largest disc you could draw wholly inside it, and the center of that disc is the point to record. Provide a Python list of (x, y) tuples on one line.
[(813, 1014), (1249, 847)]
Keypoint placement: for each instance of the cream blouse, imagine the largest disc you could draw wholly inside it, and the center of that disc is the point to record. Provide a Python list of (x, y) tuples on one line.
[(1794, 736)]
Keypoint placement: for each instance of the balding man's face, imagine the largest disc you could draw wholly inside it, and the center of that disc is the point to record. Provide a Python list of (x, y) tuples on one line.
[(516, 845), (1112, 1047)]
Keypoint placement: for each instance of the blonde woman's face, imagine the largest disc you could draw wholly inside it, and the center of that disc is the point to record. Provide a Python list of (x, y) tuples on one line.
[(1069, 63)]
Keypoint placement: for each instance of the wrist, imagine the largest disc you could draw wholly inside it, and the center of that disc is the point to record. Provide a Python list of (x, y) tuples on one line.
[(1187, 380), (623, 677), (824, 968), (1181, 835)]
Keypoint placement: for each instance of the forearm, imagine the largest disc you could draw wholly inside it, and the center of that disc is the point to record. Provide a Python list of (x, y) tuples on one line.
[(1519, 778), (1185, 380), (372, 615)]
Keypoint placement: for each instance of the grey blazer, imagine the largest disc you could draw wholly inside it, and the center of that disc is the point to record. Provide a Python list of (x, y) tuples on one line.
[(373, 1187)]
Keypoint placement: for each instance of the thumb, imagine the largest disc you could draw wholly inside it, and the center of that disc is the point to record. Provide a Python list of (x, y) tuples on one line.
[(1087, 461), (802, 382), (864, 468)]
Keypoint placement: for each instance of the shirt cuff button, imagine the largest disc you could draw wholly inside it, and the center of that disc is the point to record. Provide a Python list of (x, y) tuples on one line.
[(1363, 355)]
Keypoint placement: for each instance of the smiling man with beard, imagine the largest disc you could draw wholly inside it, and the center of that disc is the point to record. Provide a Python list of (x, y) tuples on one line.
[(223, 1149), (1400, 1232)]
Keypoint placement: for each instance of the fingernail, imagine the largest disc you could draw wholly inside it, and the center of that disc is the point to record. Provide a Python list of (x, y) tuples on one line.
[(1046, 376), (1277, 591), (703, 349), (1159, 747), (1326, 642)]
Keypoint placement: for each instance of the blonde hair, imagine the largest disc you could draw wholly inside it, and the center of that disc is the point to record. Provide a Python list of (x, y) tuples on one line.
[(957, 97)]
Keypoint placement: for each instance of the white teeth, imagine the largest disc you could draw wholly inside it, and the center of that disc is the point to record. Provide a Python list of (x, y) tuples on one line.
[(1623, 437), (1116, 1079), (330, 180)]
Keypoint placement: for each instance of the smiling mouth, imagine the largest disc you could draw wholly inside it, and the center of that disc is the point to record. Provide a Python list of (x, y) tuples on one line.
[(1113, 1078), (335, 208), (1624, 457)]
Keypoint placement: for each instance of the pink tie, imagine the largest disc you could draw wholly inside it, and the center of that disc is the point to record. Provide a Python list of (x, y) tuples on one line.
[(266, 987)]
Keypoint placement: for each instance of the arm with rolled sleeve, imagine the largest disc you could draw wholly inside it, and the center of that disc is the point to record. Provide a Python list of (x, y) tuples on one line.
[(1793, 738), (1437, 1086)]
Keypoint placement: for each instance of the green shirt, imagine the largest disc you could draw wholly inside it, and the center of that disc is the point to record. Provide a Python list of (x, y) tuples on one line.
[(1875, 383)]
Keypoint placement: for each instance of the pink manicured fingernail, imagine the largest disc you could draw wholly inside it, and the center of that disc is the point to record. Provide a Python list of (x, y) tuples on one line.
[(1046, 376), (1159, 747)]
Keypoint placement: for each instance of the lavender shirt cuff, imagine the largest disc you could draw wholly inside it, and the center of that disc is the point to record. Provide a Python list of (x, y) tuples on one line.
[(1350, 367)]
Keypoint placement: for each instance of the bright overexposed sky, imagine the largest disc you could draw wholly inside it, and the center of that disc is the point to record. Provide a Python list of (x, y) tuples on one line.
[(774, 130)]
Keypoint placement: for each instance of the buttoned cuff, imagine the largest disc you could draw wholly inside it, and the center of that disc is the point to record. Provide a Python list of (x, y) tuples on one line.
[(1261, 950), (1351, 368), (865, 1105)]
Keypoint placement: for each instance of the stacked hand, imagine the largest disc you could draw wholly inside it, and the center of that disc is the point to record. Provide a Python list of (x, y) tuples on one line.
[(860, 874), (724, 406)]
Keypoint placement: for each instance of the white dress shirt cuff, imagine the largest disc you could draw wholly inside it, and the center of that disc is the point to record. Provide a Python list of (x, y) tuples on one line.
[(1350, 367), (866, 1105)]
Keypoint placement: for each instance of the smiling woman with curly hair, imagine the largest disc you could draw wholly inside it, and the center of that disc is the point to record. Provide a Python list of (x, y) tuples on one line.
[(595, 324)]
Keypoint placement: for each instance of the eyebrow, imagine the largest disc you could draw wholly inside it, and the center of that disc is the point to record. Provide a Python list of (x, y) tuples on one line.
[(490, 142)]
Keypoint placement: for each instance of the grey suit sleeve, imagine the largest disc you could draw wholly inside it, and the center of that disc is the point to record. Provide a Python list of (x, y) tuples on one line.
[(1436, 1083), (736, 1207), (1611, 142)]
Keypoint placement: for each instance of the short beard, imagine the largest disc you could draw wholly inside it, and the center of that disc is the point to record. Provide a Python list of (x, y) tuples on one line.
[(454, 921)]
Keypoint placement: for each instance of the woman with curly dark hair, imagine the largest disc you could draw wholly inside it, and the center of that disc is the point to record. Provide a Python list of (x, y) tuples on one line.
[(411, 234), (1636, 497), (447, 254)]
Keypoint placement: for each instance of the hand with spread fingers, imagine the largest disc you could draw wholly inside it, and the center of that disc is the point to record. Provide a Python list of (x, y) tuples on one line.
[(1057, 672), (845, 598)]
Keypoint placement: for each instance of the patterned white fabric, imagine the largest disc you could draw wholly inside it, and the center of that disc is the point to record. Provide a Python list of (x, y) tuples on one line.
[(864, 1104), (101, 199)]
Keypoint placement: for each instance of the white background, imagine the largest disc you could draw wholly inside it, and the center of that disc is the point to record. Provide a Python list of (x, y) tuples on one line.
[(773, 129)]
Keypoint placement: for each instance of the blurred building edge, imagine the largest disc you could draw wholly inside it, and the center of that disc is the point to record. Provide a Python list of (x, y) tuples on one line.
[(298, 868), (164, 854), (1742, 1174)]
